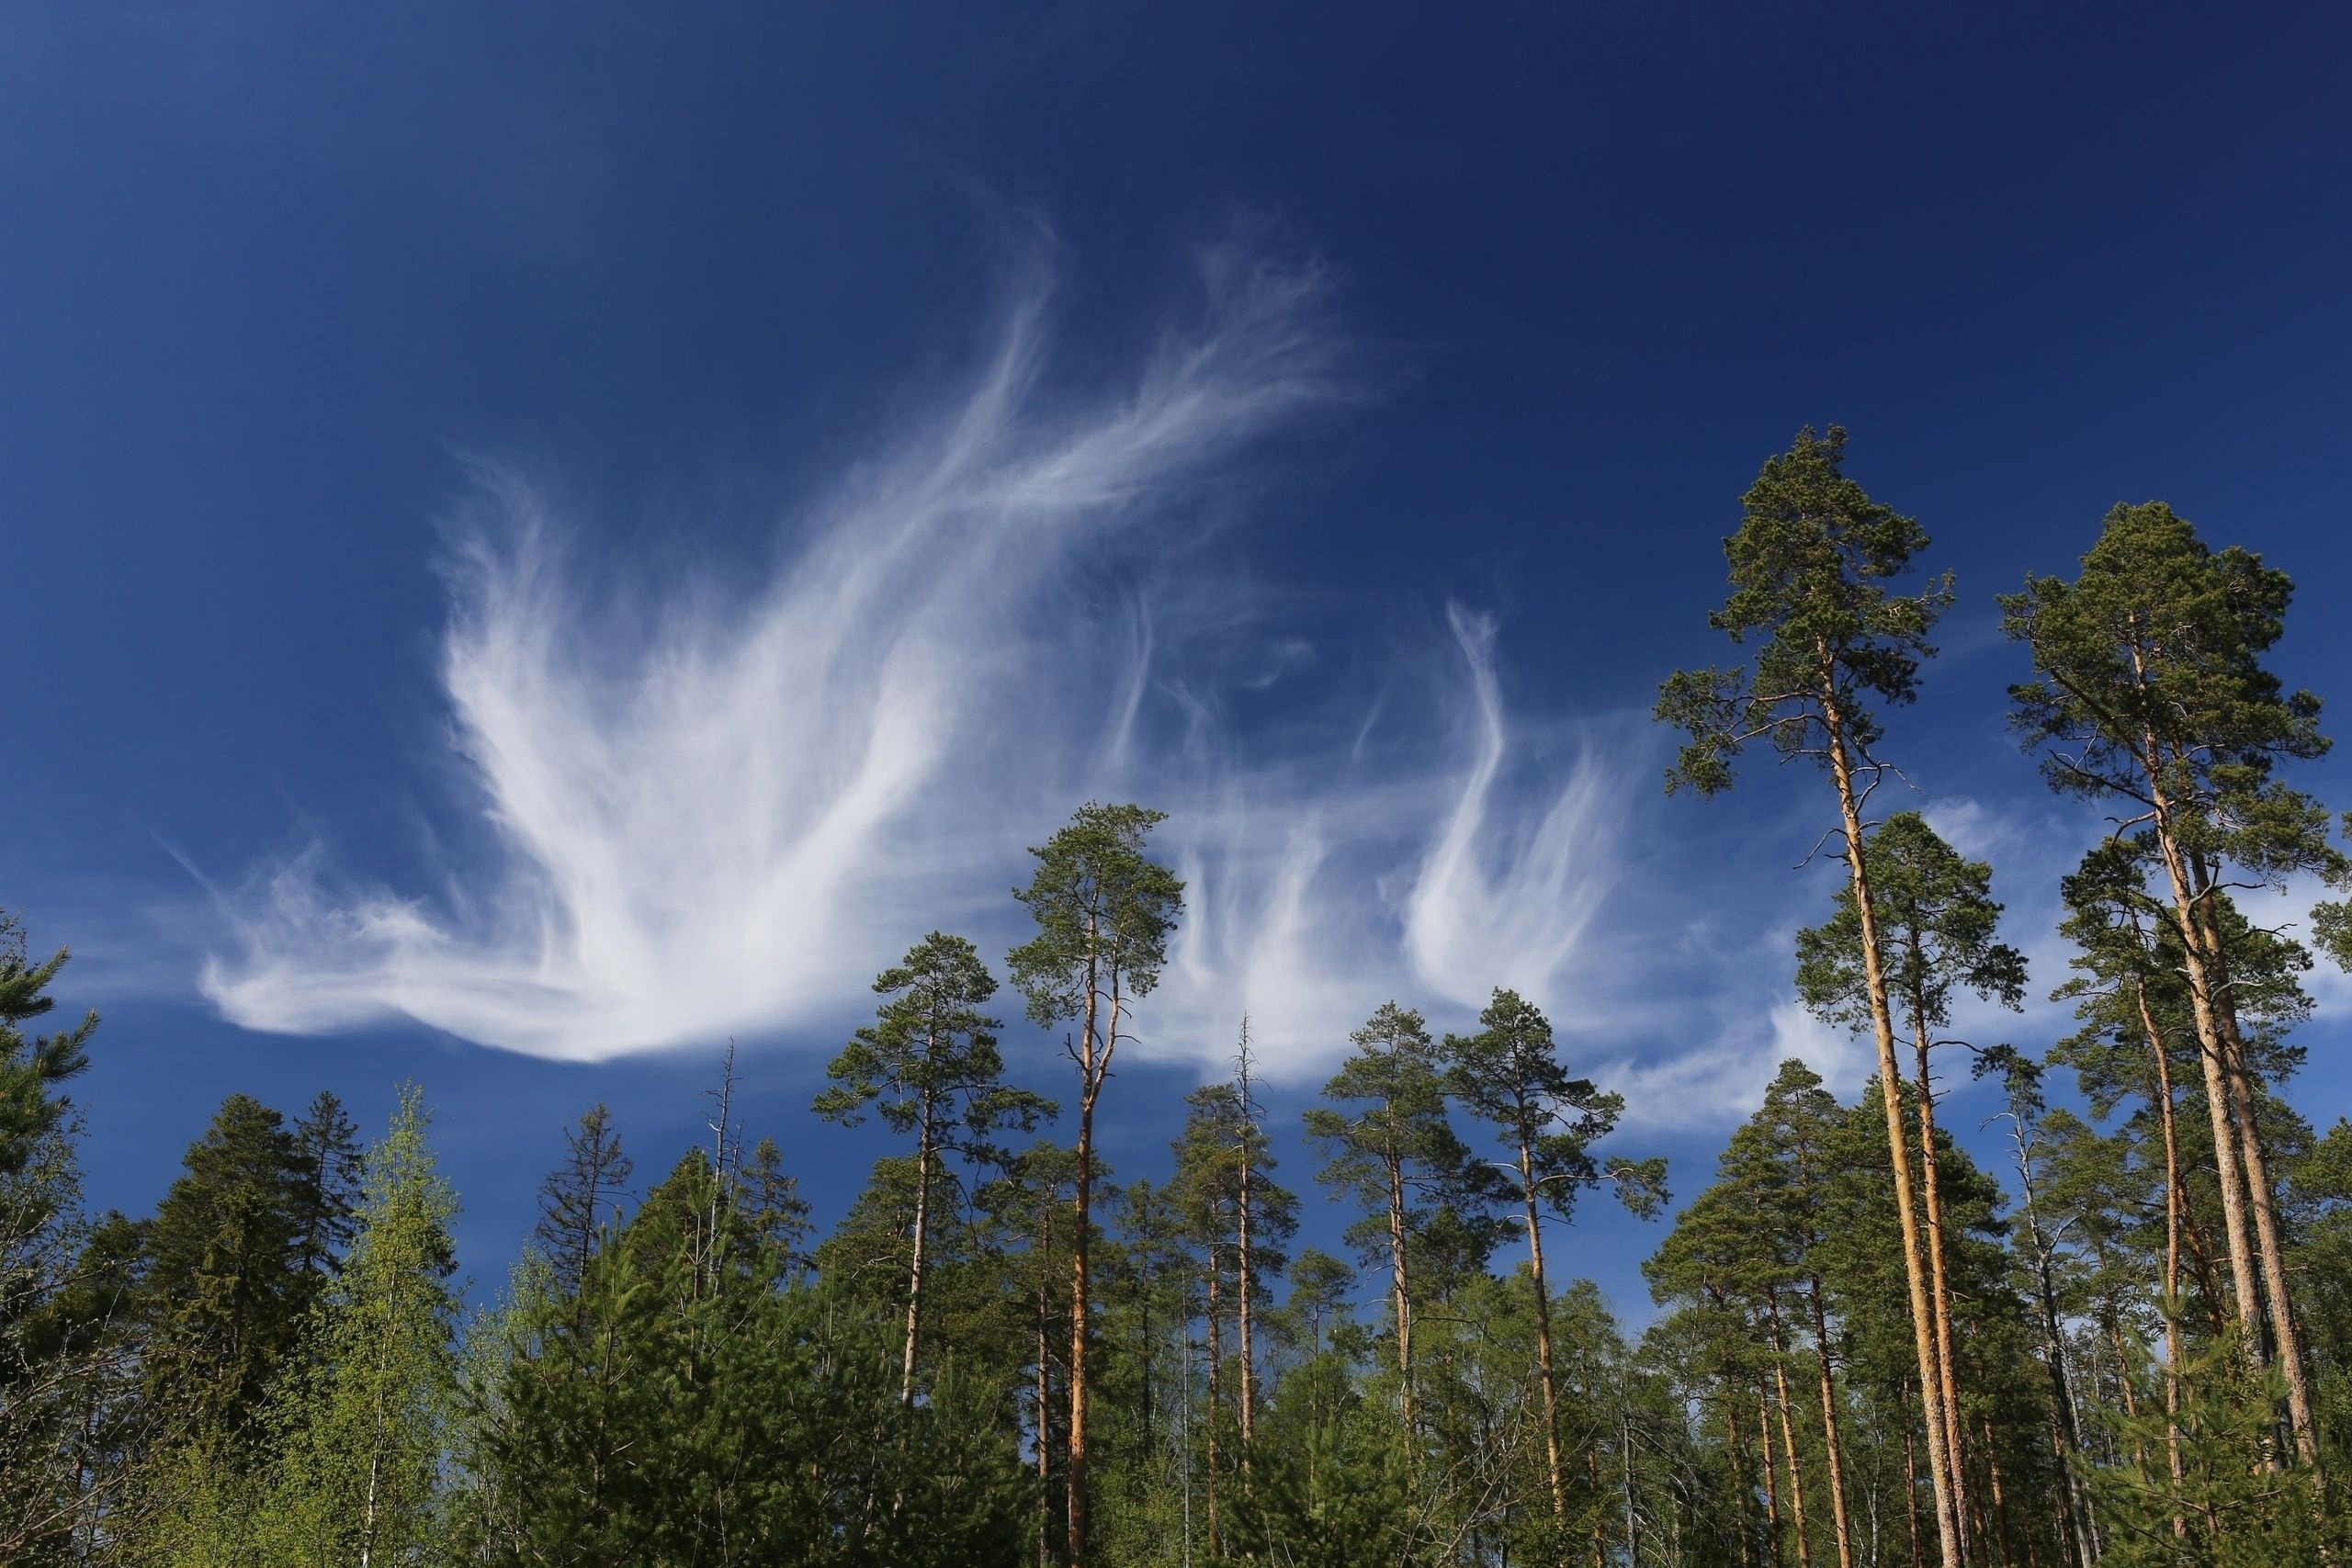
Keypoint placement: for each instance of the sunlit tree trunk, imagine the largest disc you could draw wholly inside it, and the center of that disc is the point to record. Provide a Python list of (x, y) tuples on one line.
[(1890, 1083)]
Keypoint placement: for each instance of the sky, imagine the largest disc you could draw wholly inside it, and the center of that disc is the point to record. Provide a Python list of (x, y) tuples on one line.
[(542, 539)]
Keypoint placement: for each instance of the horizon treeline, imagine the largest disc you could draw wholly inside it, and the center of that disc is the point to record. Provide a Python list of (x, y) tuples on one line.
[(2127, 1340)]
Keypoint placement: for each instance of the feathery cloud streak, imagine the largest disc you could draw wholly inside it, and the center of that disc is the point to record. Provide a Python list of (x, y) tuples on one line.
[(703, 814)]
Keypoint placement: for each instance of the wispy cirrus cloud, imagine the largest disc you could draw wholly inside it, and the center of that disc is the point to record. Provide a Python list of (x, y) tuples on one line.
[(697, 812)]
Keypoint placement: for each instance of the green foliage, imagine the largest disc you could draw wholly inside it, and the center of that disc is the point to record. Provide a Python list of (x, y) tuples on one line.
[(1105, 912), (1509, 1075), (1937, 920), (1810, 566)]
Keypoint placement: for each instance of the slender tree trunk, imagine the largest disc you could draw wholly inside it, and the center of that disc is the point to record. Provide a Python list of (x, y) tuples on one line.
[(1829, 1427), (1045, 1410), (1400, 1296), (1771, 1476), (1216, 1358), (1939, 1283), (2171, 1284), (1788, 1436), (1911, 1489), (1739, 1469), (2229, 1168), (1094, 1067), (1543, 1335), (2000, 1536), (1241, 1278), (1592, 1474), (1890, 1075), (914, 1267), (2272, 1251)]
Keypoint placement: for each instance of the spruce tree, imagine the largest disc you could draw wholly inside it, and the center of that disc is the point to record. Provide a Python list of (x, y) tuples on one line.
[(576, 1195), (226, 1291)]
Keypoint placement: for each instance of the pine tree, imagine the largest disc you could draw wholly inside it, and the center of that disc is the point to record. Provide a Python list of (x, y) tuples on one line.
[(929, 1064), (2149, 693), (1937, 921), (1104, 912), (1389, 1146), (1509, 1075), (1810, 568)]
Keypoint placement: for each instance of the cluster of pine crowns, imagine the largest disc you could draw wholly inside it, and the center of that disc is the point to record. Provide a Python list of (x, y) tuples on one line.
[(2132, 1345)]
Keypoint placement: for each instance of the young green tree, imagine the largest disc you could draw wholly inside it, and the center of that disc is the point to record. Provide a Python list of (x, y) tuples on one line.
[(2149, 693), (1509, 1075), (1939, 921), (929, 1064), (1104, 910), (1811, 569), (360, 1440), (1389, 1145)]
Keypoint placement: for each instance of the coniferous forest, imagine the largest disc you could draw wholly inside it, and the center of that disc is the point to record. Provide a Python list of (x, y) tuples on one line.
[(2127, 1339)]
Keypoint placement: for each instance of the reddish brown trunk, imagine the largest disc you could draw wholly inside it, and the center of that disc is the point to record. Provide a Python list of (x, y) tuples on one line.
[(1897, 1143)]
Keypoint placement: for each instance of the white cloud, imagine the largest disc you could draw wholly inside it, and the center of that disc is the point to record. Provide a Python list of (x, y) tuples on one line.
[(700, 812)]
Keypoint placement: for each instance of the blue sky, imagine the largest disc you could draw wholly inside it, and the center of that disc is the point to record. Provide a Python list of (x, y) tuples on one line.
[(542, 538)]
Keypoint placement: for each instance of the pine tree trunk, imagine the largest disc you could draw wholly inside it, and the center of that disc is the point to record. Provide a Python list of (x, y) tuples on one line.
[(1045, 1416), (1242, 1283), (1939, 1276), (914, 1266), (1890, 1085), (1094, 1066), (2212, 1055), (1216, 1358), (1739, 1469), (1402, 1299), (1543, 1335), (1911, 1489), (1788, 1436), (2289, 1343), (2171, 1282), (1772, 1477), (1831, 1438), (2000, 1536)]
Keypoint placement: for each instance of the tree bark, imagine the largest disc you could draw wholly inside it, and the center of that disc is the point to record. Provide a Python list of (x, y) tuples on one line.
[(1249, 1384), (1788, 1436), (1543, 1334), (1831, 1438), (2172, 1259), (1939, 1283), (1399, 1294), (1898, 1150), (914, 1267), (2271, 1250)]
